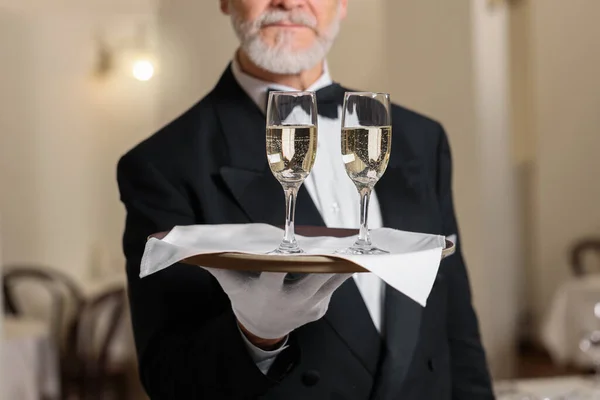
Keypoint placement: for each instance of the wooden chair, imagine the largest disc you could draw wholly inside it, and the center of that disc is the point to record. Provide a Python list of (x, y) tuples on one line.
[(66, 299), (580, 250), (91, 372)]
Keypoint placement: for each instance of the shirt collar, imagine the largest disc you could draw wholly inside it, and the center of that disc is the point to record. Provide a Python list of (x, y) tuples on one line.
[(257, 89)]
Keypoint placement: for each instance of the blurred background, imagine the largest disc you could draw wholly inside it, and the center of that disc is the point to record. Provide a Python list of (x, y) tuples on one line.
[(515, 83)]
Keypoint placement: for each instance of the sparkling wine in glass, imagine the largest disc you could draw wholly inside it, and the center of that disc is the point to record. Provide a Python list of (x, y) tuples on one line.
[(291, 151), (366, 147)]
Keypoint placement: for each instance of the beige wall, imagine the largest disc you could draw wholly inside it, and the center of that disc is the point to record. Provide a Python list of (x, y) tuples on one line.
[(565, 61), (195, 45), (15, 144), (61, 134), (358, 58)]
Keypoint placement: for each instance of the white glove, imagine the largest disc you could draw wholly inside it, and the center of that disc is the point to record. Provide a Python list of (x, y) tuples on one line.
[(271, 307)]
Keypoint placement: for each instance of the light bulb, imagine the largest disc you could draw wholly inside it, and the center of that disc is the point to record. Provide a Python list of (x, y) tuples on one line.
[(143, 70)]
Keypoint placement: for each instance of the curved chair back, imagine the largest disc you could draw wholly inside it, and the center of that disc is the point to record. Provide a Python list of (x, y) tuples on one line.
[(56, 292), (98, 326), (578, 254)]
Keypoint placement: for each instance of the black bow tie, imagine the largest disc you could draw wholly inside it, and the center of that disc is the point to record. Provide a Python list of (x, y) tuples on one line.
[(329, 99)]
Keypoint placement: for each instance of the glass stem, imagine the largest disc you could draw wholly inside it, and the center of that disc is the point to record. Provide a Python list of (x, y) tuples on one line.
[(289, 237), (364, 238)]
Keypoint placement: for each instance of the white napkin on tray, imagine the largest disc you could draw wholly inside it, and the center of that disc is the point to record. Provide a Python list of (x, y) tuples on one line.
[(411, 266)]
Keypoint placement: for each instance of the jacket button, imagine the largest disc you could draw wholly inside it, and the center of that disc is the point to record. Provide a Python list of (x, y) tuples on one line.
[(311, 378), (431, 365)]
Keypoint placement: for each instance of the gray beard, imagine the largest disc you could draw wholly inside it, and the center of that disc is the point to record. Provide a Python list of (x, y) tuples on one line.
[(281, 58)]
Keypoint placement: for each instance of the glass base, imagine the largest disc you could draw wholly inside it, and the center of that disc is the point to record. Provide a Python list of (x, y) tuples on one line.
[(287, 248), (362, 250)]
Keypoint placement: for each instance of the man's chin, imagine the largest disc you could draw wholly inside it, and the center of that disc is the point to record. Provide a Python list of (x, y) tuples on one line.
[(290, 40), (283, 58), (289, 50)]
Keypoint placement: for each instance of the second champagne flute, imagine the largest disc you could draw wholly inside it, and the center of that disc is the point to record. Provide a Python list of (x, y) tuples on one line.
[(366, 147), (291, 151)]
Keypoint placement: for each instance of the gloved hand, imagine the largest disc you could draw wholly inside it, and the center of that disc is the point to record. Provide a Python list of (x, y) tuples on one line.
[(269, 306)]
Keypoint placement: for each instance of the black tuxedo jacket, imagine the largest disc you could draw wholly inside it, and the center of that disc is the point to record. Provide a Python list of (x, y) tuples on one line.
[(209, 167)]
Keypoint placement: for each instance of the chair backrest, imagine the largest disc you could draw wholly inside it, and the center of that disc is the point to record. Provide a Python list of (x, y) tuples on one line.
[(65, 298), (580, 250), (98, 325)]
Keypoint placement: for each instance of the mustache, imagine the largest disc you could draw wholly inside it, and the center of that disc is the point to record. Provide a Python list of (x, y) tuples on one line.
[(293, 17)]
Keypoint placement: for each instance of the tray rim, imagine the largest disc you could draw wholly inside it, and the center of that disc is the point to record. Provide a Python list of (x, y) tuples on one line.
[(282, 263)]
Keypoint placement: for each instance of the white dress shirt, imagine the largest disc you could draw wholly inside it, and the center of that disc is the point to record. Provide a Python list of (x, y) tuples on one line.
[(330, 188)]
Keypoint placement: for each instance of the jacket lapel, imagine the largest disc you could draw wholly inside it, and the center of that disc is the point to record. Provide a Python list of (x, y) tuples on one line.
[(349, 317), (402, 326), (248, 176)]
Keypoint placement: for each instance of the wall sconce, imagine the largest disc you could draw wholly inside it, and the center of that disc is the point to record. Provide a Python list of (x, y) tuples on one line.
[(132, 56), (143, 69)]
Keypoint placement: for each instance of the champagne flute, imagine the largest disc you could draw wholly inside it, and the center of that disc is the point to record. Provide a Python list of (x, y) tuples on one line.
[(366, 146), (291, 151)]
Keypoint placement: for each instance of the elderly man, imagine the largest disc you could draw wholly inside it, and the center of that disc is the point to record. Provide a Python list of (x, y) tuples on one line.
[(359, 339)]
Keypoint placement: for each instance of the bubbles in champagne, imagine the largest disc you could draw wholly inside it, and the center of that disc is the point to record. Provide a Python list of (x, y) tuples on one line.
[(366, 153), (291, 151)]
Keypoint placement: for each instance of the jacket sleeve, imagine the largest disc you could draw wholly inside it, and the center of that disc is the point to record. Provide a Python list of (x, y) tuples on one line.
[(187, 338), (470, 375)]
